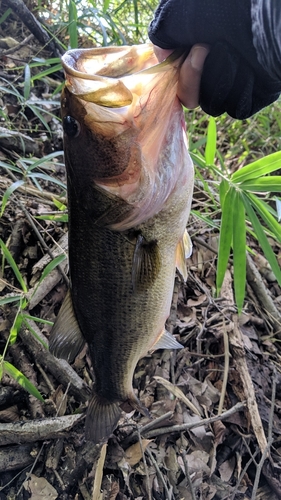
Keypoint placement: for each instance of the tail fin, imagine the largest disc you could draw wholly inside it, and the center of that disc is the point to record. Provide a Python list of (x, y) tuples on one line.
[(101, 420)]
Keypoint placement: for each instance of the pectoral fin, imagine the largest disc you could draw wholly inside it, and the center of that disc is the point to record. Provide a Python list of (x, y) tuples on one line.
[(66, 340), (146, 263), (166, 341), (184, 250)]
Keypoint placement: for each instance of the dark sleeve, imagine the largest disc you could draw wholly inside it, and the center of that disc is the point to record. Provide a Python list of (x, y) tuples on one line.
[(242, 72), (266, 27)]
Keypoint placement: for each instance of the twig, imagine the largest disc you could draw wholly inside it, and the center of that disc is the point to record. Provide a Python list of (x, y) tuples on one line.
[(252, 459), (59, 368), (226, 368), (17, 47), (270, 437), (158, 471), (154, 423), (255, 281), (184, 427), (145, 466), (33, 25), (189, 482), (29, 431)]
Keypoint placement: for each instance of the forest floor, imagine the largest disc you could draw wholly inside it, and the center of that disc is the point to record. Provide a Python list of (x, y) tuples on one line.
[(215, 405)]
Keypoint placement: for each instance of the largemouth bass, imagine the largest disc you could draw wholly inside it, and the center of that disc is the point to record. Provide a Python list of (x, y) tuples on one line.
[(130, 182)]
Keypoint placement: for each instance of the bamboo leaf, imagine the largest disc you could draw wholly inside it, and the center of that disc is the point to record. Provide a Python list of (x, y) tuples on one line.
[(8, 256), (211, 144), (72, 27), (262, 239), (268, 218), (225, 236), (22, 380), (239, 251), (224, 186), (8, 193), (263, 166), (271, 183)]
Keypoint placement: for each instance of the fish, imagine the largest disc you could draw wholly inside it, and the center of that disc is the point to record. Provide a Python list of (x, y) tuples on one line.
[(130, 184)]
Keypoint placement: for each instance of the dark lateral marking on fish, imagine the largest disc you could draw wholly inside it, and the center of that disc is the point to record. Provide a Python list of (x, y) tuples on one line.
[(146, 263)]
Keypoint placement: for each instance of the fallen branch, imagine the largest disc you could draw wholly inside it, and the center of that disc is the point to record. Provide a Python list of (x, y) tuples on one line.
[(29, 431), (255, 281), (30, 21)]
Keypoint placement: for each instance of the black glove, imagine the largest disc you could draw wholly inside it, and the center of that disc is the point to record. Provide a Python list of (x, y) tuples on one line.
[(233, 80)]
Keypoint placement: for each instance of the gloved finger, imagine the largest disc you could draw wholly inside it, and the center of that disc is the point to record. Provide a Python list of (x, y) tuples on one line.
[(190, 76), (227, 83)]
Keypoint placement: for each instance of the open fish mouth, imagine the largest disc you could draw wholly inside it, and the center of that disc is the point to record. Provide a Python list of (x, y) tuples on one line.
[(96, 76)]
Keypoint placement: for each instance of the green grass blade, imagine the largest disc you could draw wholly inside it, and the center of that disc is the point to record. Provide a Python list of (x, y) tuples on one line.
[(48, 178), (49, 268), (40, 117), (72, 27), (47, 72), (225, 240), (15, 327), (263, 166), (8, 256), (270, 184), (22, 380), (262, 239), (239, 251), (27, 82), (211, 144), (8, 300), (8, 193), (29, 327), (262, 210)]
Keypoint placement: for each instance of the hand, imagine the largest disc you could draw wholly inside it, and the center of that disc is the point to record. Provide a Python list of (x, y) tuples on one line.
[(190, 73)]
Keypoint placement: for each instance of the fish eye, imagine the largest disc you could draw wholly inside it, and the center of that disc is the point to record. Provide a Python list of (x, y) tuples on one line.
[(71, 126)]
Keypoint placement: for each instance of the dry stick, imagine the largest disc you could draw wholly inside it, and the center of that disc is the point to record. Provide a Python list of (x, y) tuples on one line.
[(183, 454), (255, 281), (226, 368), (239, 357), (145, 466), (17, 47), (270, 437), (33, 25), (59, 368), (158, 471), (184, 427), (252, 459)]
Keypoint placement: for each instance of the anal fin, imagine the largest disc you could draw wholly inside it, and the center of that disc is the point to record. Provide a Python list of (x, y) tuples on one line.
[(66, 339), (184, 250), (101, 419), (166, 341)]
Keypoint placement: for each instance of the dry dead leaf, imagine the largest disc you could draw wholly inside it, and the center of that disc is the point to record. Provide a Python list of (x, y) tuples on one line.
[(177, 393), (134, 453), (39, 488)]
